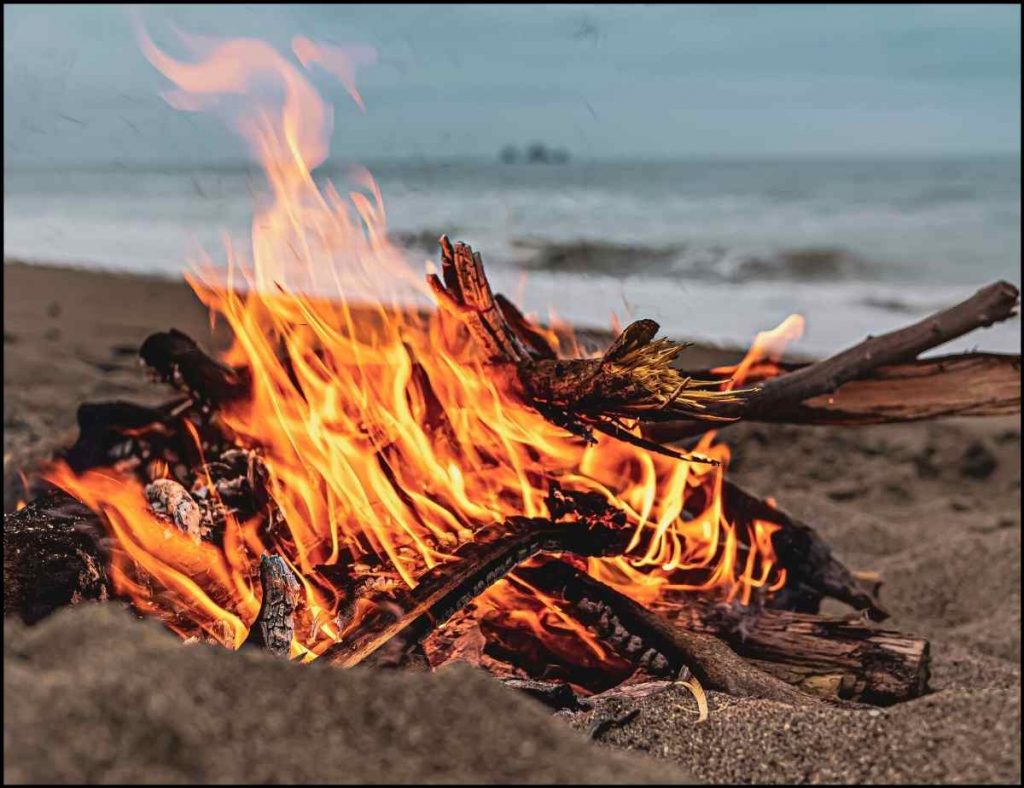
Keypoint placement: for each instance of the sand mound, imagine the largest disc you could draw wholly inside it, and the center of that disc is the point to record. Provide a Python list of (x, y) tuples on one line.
[(91, 695)]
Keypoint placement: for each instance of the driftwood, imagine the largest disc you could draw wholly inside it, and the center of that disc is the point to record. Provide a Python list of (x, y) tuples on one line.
[(397, 623), (991, 304), (710, 660), (878, 380), (830, 656), (630, 379), (969, 384), (966, 384), (273, 628)]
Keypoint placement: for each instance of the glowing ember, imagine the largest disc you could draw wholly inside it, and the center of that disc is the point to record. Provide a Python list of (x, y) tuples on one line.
[(349, 385)]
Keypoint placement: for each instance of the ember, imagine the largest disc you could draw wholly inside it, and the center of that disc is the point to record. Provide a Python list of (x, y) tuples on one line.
[(380, 452)]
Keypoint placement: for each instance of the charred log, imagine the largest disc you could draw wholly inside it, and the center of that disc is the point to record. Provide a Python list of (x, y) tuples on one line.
[(178, 360), (52, 557), (710, 660), (108, 432), (273, 628), (171, 502), (410, 616), (813, 572)]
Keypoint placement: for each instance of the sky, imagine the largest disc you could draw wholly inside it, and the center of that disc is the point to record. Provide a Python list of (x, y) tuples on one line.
[(602, 81)]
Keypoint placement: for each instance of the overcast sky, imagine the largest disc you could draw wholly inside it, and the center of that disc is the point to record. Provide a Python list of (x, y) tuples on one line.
[(602, 81)]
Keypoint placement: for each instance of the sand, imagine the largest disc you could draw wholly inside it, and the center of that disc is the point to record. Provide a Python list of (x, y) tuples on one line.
[(933, 507), (154, 711)]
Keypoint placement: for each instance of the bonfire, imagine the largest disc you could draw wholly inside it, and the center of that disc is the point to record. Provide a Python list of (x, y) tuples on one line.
[(399, 468)]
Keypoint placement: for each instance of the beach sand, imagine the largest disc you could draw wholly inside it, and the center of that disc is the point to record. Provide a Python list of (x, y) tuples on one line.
[(933, 507)]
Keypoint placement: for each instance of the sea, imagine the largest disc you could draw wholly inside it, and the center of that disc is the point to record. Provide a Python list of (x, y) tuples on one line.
[(714, 250)]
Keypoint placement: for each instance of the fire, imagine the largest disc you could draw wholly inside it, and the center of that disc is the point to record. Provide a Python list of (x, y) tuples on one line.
[(385, 437)]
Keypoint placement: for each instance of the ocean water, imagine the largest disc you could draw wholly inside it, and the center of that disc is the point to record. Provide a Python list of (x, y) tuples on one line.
[(713, 250)]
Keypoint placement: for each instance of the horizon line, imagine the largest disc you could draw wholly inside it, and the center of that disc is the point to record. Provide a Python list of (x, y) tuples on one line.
[(236, 164)]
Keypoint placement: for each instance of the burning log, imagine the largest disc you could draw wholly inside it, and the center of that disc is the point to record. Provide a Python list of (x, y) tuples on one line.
[(634, 377), (813, 571), (52, 557), (442, 591), (710, 660), (878, 380), (273, 629), (967, 384), (991, 304), (837, 657)]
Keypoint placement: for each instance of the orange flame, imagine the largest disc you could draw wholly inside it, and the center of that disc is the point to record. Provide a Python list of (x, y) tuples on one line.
[(761, 361), (349, 384)]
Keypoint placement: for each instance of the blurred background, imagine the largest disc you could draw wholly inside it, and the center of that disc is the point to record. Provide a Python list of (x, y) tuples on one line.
[(713, 167)]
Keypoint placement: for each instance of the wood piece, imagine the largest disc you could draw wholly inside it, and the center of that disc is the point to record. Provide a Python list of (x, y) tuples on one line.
[(170, 501), (634, 377), (177, 359), (52, 557), (467, 294), (711, 661), (831, 656), (109, 431), (991, 304), (812, 570), (445, 589), (556, 695), (602, 619), (967, 384), (971, 384), (273, 628)]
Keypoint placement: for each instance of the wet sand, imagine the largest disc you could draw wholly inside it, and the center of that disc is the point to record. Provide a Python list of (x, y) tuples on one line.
[(933, 507)]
